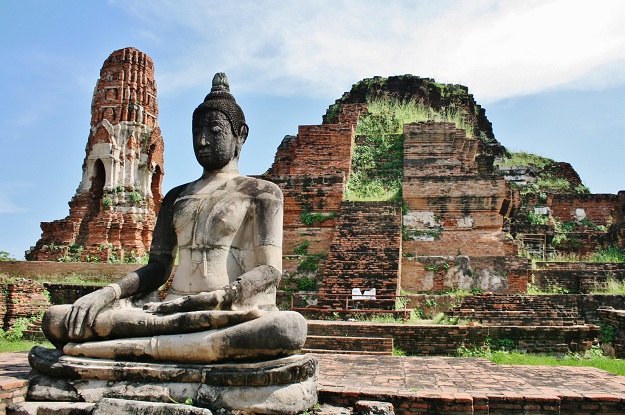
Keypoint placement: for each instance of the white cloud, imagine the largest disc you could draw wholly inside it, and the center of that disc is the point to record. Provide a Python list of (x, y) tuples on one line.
[(499, 49)]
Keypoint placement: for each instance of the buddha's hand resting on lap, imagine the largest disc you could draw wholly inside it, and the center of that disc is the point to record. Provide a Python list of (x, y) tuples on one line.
[(213, 300), (86, 309)]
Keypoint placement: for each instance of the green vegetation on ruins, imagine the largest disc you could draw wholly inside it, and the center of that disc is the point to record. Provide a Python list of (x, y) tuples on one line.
[(547, 178), (377, 159)]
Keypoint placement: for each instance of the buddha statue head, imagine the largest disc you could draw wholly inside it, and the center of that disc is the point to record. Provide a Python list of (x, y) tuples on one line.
[(219, 128)]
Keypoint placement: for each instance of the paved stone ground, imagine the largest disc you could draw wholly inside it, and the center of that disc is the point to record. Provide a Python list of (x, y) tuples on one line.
[(436, 376), (451, 376), (13, 366)]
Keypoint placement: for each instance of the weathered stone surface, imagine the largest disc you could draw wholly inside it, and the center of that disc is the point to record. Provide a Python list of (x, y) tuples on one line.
[(45, 388), (276, 399), (271, 399), (122, 406), (51, 408), (106, 406), (374, 408), (291, 369)]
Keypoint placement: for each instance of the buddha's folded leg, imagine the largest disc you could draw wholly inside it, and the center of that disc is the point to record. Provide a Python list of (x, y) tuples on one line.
[(134, 322), (124, 323), (274, 334)]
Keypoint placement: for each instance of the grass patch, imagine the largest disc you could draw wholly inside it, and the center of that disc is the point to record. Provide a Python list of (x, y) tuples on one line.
[(591, 358), (522, 158), (611, 254), (377, 169), (388, 115), (611, 286), (7, 346)]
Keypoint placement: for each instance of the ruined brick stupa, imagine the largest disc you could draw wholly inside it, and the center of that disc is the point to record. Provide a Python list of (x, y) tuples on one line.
[(113, 212)]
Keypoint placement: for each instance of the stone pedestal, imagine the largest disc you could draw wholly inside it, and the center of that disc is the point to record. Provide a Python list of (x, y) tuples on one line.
[(282, 386)]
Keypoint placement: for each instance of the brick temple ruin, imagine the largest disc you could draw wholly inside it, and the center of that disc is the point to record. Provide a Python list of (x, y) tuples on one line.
[(457, 222), (113, 212)]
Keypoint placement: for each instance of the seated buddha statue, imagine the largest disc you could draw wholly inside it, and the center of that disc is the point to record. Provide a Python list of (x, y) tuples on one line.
[(221, 305)]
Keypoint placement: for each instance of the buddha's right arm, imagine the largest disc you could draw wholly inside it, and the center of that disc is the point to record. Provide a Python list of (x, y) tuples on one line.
[(146, 279)]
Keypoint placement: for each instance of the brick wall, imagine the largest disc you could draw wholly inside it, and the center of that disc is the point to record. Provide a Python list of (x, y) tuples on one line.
[(437, 274), (12, 391), (426, 340), (21, 298), (585, 305), (55, 271), (319, 149), (576, 277), (599, 208), (443, 179), (365, 250)]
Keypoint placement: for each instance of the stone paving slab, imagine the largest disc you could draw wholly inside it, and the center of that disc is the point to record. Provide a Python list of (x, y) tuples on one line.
[(473, 376)]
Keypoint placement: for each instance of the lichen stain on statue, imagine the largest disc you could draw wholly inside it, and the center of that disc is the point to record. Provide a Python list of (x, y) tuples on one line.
[(221, 305)]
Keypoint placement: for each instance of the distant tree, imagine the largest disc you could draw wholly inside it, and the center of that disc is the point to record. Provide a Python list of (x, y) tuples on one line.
[(5, 256)]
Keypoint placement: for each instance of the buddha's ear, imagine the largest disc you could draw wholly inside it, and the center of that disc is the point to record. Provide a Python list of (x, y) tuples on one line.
[(243, 133), (241, 138)]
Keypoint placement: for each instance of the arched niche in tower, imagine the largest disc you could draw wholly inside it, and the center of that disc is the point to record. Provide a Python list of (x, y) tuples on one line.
[(98, 179), (155, 187)]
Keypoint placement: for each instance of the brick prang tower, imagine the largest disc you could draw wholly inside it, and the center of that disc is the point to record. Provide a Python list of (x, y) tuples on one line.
[(113, 213)]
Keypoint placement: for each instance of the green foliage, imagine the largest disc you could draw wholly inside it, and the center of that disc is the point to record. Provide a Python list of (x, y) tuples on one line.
[(398, 352), (537, 219), (74, 254), (611, 286), (610, 254), (593, 358), (7, 346), (302, 249), (131, 258), (401, 303), (306, 284), (309, 218), (553, 184), (310, 262), (16, 333), (389, 114), (5, 256), (377, 169), (608, 333), (421, 234), (590, 224), (135, 197), (107, 202), (331, 113), (581, 189), (522, 158), (119, 189)]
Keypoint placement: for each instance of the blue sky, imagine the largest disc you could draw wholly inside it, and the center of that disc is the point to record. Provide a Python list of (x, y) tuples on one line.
[(550, 74)]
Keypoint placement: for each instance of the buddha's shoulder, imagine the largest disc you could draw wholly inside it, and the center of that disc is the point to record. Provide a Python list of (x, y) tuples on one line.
[(257, 188)]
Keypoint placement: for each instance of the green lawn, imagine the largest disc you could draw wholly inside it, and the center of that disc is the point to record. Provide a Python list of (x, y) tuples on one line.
[(592, 358), (7, 346), (616, 366)]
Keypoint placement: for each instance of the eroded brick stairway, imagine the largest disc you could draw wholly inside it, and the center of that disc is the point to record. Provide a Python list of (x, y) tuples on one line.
[(365, 253)]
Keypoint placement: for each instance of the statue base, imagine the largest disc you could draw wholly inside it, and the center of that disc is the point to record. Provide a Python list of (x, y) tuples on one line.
[(281, 386)]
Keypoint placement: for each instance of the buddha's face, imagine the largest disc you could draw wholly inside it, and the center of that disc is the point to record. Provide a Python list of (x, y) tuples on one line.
[(214, 142)]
